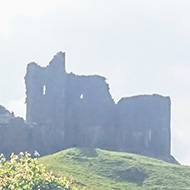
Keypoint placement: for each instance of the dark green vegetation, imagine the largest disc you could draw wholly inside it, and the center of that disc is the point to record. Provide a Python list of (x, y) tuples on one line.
[(22, 172), (105, 170)]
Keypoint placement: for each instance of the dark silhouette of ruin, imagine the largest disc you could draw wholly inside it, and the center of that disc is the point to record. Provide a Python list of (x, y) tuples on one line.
[(66, 110)]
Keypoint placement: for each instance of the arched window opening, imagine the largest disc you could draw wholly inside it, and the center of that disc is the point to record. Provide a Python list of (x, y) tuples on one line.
[(81, 96), (44, 90)]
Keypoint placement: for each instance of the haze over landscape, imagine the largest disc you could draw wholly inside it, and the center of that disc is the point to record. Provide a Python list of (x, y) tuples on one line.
[(141, 47)]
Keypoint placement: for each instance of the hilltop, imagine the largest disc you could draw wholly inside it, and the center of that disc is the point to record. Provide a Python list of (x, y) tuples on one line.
[(106, 170)]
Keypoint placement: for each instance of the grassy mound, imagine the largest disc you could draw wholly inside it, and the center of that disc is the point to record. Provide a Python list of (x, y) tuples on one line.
[(105, 170)]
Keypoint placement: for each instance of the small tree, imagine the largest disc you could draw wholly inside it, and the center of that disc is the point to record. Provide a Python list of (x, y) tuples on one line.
[(22, 172)]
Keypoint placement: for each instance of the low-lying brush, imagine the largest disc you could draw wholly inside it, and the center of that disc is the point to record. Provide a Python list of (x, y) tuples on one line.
[(22, 172)]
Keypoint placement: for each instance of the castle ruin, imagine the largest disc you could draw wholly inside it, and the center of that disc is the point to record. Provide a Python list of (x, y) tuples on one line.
[(66, 110)]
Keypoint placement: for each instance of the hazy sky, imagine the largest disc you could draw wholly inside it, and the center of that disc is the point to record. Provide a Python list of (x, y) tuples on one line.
[(140, 46)]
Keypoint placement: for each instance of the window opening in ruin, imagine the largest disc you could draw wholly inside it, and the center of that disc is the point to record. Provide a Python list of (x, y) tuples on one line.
[(81, 96), (149, 135), (44, 90)]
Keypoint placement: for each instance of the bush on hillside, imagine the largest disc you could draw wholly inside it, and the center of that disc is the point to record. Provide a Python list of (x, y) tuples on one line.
[(22, 172)]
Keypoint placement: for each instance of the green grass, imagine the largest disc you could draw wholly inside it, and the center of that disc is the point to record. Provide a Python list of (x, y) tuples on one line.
[(105, 170)]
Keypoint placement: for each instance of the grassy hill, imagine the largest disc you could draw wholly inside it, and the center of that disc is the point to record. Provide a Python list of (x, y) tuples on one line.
[(105, 170)]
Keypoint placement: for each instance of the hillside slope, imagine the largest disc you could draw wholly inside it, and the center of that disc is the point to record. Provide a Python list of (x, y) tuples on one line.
[(105, 170)]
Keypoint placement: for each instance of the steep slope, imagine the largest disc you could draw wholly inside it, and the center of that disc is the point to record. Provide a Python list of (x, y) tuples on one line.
[(106, 170)]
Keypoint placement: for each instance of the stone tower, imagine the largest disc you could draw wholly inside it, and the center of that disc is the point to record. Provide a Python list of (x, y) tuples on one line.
[(45, 91)]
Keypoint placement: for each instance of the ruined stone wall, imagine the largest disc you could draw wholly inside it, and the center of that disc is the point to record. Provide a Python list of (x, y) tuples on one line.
[(45, 90), (144, 123), (68, 110), (88, 109), (14, 133)]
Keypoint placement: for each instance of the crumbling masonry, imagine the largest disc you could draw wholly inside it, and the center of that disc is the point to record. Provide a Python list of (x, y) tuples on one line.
[(66, 110)]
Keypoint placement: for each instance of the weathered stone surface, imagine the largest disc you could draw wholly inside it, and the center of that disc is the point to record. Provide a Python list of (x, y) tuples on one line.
[(14, 133), (68, 110), (144, 123)]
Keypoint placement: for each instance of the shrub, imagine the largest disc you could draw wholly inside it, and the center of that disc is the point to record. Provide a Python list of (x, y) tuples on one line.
[(22, 172)]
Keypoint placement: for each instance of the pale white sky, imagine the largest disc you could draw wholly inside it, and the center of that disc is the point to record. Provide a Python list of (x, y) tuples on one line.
[(141, 46)]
